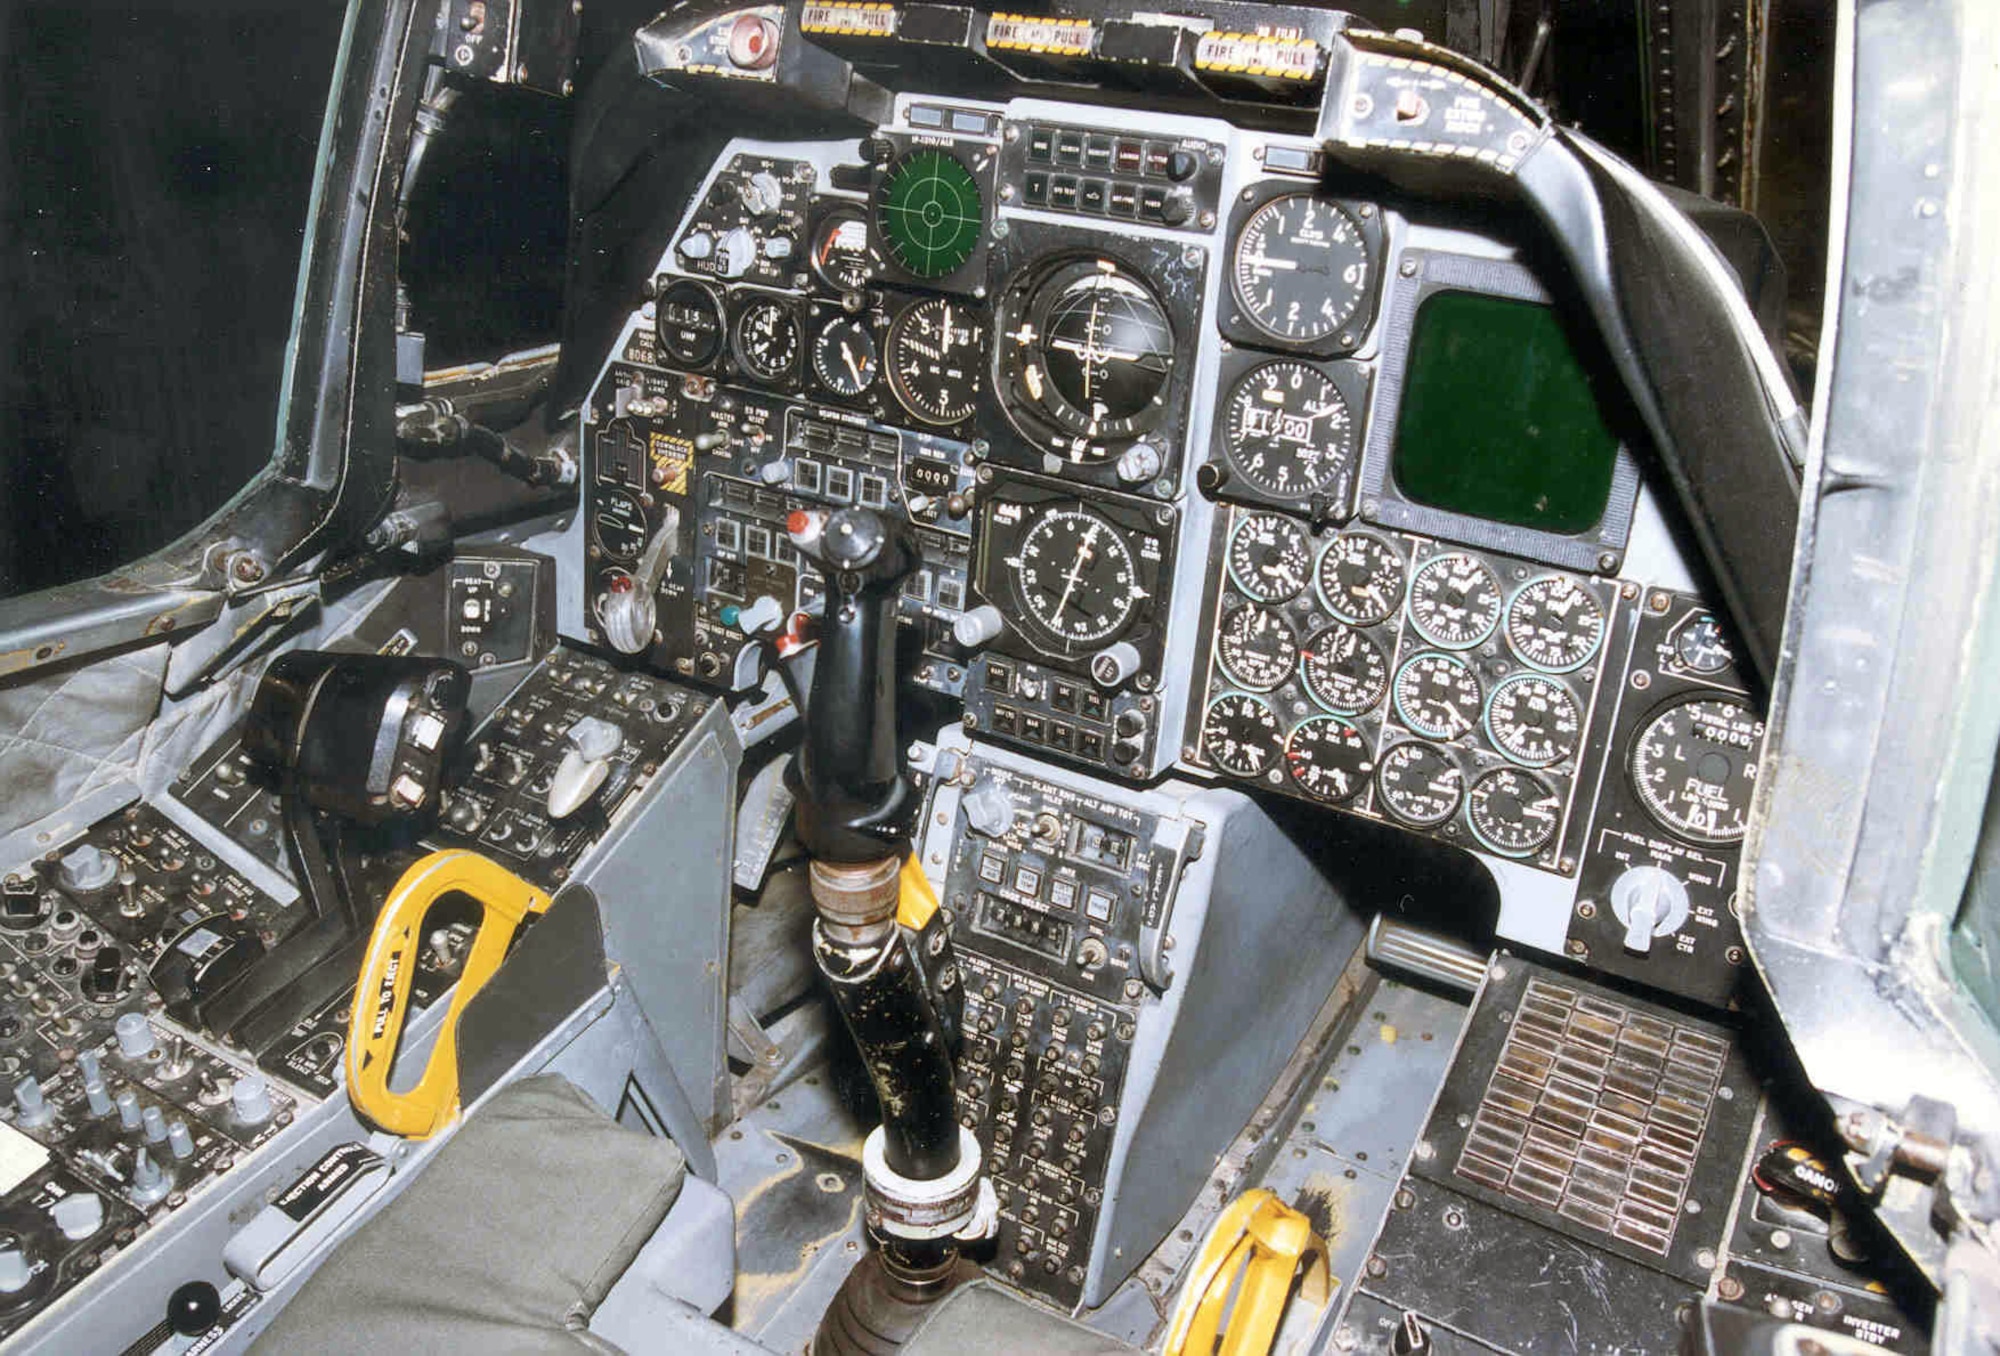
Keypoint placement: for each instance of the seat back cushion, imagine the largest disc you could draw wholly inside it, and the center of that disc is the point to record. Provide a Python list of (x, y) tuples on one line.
[(506, 1242)]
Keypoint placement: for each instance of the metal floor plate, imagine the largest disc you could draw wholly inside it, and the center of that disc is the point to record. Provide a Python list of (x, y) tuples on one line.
[(793, 1167), (1351, 1146)]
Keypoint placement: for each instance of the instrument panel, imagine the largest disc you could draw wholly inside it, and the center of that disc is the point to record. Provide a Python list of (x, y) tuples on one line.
[(1213, 464)]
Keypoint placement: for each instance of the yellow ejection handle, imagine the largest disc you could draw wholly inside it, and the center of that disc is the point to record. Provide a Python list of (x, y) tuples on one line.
[(382, 996), (1264, 1239)]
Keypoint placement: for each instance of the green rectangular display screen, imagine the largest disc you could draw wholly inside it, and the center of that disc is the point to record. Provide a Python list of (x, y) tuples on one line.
[(1498, 418)]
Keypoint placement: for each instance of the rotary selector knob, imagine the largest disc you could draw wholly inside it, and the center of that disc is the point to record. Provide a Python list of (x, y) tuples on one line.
[(31, 1104), (1114, 665), (989, 808), (1139, 462), (763, 194), (250, 1099), (87, 869), (135, 1035), (1650, 902), (735, 252), (15, 1268), (978, 627), (105, 980), (697, 246), (78, 1216), (149, 1183)]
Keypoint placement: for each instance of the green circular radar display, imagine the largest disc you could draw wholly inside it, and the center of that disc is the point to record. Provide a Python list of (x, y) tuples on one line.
[(927, 212)]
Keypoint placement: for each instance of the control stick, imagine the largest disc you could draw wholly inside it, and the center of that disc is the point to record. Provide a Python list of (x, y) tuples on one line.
[(920, 1168)]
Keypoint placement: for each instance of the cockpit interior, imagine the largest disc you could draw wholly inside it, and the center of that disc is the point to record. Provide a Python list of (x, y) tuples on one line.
[(903, 677)]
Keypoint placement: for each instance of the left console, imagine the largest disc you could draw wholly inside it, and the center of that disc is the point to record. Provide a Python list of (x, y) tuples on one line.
[(136, 1143)]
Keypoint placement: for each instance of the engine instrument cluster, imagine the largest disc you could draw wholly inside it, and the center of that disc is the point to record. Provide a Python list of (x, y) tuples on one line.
[(1445, 690)]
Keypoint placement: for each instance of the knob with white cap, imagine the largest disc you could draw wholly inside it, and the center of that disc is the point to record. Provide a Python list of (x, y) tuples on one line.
[(1113, 665), (34, 1109), (156, 1124), (98, 1096), (180, 1143), (250, 1099), (1650, 902), (1140, 461), (129, 1115), (78, 1216), (735, 252), (989, 808), (593, 742), (764, 614), (15, 1269), (762, 193), (149, 1183), (135, 1035), (88, 867), (975, 628)]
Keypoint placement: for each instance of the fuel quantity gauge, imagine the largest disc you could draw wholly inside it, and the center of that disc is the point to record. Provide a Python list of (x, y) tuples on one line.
[(1695, 768)]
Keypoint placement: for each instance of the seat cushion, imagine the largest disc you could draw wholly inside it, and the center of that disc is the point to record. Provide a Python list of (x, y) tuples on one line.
[(506, 1242), (983, 1318)]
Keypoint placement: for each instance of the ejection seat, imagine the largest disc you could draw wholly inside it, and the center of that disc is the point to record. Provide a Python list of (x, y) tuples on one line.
[(544, 1228)]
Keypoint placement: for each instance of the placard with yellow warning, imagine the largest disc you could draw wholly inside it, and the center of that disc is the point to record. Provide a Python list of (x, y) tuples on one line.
[(672, 456)]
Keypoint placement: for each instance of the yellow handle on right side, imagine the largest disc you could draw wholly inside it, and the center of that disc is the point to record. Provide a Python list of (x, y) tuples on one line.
[(1264, 1240)]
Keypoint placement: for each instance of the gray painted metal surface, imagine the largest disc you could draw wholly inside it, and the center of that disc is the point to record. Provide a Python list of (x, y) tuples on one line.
[(662, 880), (1883, 722)]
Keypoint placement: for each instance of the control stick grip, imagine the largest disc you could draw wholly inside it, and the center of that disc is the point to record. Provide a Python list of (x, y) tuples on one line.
[(854, 803)]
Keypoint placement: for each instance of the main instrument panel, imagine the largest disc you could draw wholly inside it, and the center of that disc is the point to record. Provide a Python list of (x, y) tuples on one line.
[(1214, 463)]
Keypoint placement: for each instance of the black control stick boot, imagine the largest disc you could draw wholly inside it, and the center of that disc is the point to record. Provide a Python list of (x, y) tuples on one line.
[(855, 809)]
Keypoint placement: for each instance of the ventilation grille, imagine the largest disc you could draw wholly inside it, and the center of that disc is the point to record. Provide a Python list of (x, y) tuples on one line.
[(1596, 1112)]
